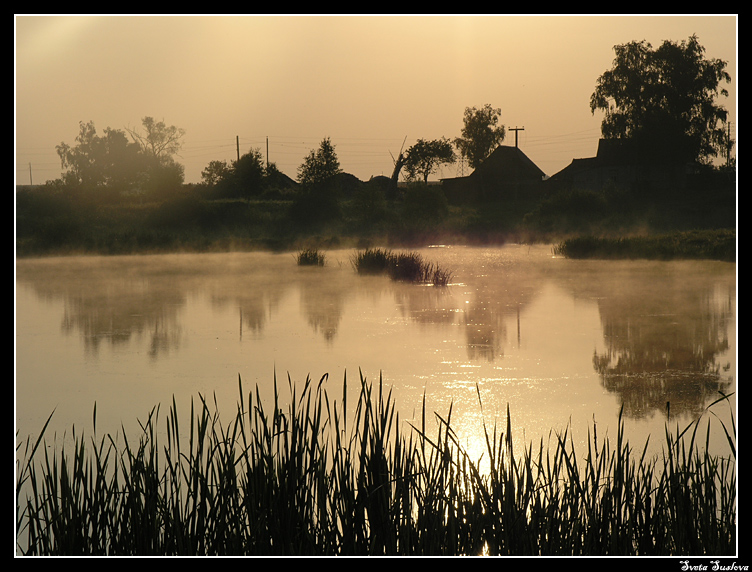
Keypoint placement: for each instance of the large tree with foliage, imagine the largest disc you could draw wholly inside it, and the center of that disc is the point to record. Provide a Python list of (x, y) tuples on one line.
[(318, 202), (215, 173), (158, 140), (320, 166), (247, 177), (113, 162), (95, 161), (159, 143), (248, 173), (425, 157), (481, 134), (664, 100)]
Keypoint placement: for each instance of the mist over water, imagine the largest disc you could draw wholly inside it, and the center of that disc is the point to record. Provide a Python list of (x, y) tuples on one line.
[(562, 342)]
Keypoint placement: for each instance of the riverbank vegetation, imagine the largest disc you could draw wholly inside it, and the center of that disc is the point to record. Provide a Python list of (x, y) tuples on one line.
[(52, 220), (123, 192), (338, 476), (712, 245)]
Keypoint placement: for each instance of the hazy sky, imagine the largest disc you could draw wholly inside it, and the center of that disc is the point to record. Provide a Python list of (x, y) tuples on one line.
[(367, 82)]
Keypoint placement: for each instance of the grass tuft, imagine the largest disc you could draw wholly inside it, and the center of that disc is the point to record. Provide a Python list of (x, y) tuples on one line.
[(372, 261), (402, 266), (310, 257)]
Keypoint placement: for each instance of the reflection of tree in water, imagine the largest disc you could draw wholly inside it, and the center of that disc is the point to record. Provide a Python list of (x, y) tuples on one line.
[(165, 336), (254, 309), (425, 304), (323, 292), (323, 309), (112, 299), (663, 340), (255, 295), (115, 313)]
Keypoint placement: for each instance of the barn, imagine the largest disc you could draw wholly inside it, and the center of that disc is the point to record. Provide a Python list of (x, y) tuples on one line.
[(507, 174)]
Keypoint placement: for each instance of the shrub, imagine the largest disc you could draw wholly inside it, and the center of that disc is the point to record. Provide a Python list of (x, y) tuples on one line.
[(424, 204), (314, 207)]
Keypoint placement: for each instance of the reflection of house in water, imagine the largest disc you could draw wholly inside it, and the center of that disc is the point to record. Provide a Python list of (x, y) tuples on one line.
[(500, 297)]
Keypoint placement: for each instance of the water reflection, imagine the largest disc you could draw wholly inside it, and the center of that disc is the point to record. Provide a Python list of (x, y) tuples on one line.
[(322, 300), (663, 348), (500, 293), (103, 308), (663, 326)]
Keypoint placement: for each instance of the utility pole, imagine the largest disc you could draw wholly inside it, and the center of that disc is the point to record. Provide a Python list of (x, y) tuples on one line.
[(461, 166), (267, 153), (237, 146), (729, 143), (30, 181), (516, 129)]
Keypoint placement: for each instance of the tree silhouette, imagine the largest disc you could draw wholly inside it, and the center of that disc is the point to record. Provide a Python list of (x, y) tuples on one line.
[(663, 100), (481, 134), (215, 172), (159, 141), (320, 166), (112, 162), (96, 161), (425, 157), (318, 201), (248, 173)]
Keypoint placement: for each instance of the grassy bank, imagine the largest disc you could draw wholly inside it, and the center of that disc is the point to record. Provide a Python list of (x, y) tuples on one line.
[(707, 244), (336, 477)]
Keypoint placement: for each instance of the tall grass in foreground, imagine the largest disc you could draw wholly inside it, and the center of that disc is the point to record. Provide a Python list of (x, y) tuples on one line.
[(402, 266), (338, 477)]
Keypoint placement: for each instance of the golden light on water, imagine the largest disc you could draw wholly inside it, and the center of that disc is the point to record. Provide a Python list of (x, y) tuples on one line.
[(550, 346)]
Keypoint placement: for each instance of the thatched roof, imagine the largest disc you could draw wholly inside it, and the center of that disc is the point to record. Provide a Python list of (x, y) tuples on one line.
[(576, 167), (505, 173), (509, 165)]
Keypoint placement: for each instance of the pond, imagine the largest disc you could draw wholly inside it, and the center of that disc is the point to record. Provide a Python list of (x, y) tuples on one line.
[(564, 344)]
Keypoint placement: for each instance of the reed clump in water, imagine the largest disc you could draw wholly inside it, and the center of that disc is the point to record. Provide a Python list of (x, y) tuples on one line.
[(310, 257), (328, 477), (402, 266), (372, 261)]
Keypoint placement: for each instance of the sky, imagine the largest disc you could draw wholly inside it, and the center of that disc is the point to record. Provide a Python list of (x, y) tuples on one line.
[(370, 83)]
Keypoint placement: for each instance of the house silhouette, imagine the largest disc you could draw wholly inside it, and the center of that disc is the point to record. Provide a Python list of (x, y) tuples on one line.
[(507, 173)]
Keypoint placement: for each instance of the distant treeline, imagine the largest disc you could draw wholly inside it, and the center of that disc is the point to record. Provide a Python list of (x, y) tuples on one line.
[(55, 220)]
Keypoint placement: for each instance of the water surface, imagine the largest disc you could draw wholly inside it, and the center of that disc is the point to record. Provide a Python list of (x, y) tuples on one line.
[(563, 343)]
